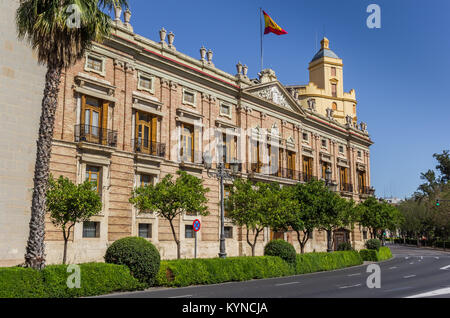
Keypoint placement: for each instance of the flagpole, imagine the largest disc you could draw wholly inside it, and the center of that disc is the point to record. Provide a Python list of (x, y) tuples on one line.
[(261, 33)]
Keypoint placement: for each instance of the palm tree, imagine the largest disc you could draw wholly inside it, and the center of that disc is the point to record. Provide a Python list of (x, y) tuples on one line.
[(59, 42)]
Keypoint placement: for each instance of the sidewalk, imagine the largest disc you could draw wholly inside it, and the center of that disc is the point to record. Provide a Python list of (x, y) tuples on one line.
[(446, 250)]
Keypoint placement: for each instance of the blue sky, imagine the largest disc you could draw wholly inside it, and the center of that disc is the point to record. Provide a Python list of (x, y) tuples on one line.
[(401, 72)]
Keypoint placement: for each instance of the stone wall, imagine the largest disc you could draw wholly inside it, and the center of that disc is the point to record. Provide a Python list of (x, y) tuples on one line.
[(21, 87)]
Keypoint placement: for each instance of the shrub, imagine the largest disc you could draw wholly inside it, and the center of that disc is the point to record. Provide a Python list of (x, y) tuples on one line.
[(96, 279), (51, 282), (317, 262), (139, 255), (186, 272), (18, 282), (345, 247), (281, 249), (373, 244), (384, 253), (369, 255)]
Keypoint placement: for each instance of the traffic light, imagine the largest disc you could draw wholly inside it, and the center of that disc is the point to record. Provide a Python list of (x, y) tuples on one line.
[(438, 203)]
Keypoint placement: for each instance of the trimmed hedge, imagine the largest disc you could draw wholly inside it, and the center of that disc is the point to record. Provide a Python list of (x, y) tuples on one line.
[(139, 255), (376, 256), (51, 282), (186, 272), (180, 273), (318, 262), (282, 249), (384, 253)]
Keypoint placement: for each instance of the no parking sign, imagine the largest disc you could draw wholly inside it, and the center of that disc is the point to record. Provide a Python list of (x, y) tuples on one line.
[(196, 225)]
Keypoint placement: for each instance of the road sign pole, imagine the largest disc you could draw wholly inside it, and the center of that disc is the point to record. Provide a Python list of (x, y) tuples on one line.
[(195, 250)]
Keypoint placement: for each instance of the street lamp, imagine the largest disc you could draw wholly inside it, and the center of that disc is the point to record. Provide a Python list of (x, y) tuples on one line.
[(221, 174)]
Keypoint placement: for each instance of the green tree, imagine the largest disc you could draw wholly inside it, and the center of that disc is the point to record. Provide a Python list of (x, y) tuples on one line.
[(256, 206), (58, 45), (69, 204), (169, 199), (304, 212)]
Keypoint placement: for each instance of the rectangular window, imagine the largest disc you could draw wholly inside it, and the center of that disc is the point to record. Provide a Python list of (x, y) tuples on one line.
[(94, 120), (362, 182), (94, 64), (91, 229), (145, 83), (225, 110), (188, 231), (187, 143), (333, 71), (334, 90), (229, 149), (146, 134), (359, 154), (226, 194), (364, 235), (228, 232), (146, 180), (145, 230), (307, 168), (256, 157), (325, 166), (305, 136), (93, 175), (343, 178), (311, 235), (324, 143), (189, 97), (341, 149)]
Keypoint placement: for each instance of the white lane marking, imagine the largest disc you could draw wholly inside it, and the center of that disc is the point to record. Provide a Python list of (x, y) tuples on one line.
[(354, 275), (394, 267), (344, 287), (291, 283), (184, 296), (445, 268), (409, 276), (436, 257), (438, 292), (411, 263), (406, 257)]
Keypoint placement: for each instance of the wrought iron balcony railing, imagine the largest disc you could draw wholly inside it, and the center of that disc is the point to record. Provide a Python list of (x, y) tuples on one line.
[(149, 148), (95, 135), (346, 187)]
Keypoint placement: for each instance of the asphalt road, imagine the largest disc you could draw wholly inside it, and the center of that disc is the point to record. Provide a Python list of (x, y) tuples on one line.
[(411, 273)]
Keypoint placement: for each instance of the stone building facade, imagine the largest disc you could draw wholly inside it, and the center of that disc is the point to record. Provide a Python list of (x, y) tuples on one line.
[(134, 110), (21, 87)]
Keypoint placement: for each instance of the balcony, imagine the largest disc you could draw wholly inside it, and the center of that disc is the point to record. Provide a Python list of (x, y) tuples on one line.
[(346, 187), (284, 173), (146, 147), (306, 177), (96, 135)]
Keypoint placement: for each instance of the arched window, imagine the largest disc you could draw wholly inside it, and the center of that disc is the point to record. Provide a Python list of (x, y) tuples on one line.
[(334, 106)]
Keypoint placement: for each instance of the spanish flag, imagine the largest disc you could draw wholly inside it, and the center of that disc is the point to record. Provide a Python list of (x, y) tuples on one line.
[(271, 26)]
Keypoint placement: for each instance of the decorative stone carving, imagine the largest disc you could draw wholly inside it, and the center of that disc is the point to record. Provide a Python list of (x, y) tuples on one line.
[(263, 115), (162, 35), (127, 16), (348, 120), (209, 55), (245, 70), (118, 63), (312, 104), (284, 122), (171, 38), (129, 67), (239, 68), (202, 53), (117, 13), (273, 94), (330, 113), (205, 96), (363, 126)]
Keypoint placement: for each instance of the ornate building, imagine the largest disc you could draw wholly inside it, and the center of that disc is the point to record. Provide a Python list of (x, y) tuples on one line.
[(134, 110)]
